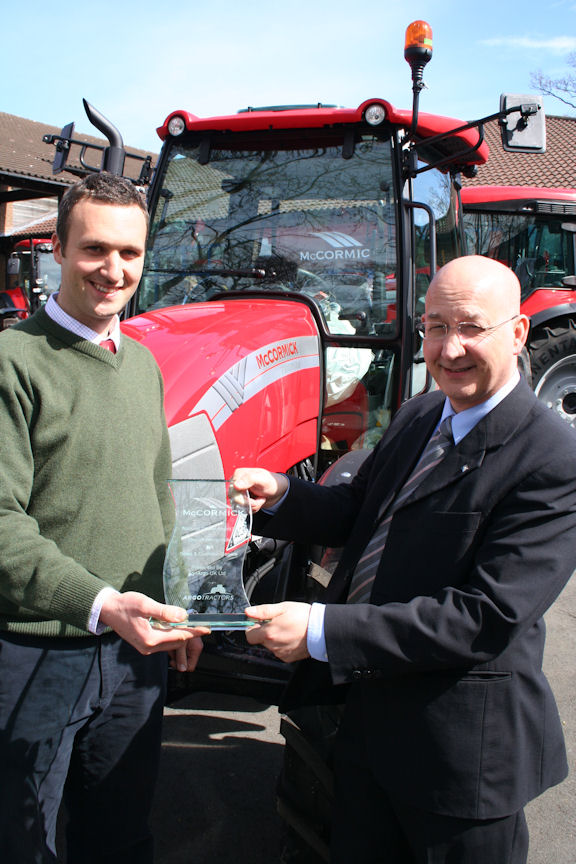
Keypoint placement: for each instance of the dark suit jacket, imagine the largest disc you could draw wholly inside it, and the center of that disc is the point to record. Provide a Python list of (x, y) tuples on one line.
[(446, 660)]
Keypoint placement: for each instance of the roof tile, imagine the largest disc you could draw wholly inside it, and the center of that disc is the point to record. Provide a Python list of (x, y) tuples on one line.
[(554, 168), (23, 153)]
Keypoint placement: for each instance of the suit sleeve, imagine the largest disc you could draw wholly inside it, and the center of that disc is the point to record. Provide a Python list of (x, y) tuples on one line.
[(317, 514), (518, 559), (326, 515)]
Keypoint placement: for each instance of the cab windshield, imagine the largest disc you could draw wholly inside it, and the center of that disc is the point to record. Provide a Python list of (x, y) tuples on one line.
[(297, 218), (315, 213)]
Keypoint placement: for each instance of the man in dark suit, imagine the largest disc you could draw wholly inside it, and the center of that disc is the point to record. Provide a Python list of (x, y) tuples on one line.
[(432, 632)]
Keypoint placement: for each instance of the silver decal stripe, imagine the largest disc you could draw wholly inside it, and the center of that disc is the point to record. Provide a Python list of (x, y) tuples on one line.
[(230, 386), (255, 373), (337, 238)]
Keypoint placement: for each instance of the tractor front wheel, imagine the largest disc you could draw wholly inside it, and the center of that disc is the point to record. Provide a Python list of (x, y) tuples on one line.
[(553, 364)]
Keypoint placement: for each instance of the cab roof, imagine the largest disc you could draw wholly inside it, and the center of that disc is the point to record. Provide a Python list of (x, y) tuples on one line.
[(319, 116)]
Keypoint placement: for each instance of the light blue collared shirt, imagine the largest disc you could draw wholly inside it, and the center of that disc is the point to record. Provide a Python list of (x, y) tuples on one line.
[(462, 423)]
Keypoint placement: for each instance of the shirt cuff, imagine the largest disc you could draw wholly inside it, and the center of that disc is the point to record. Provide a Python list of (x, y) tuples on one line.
[(315, 641), (93, 621)]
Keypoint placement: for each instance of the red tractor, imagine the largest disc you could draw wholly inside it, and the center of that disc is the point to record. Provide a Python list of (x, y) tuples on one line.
[(289, 253), (533, 231), (32, 274)]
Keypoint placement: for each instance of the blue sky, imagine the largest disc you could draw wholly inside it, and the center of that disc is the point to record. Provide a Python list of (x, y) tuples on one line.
[(138, 61)]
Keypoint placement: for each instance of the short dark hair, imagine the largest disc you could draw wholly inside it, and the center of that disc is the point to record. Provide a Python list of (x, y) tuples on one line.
[(104, 187)]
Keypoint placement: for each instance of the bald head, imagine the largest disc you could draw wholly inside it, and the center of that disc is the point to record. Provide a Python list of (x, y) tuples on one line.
[(486, 280)]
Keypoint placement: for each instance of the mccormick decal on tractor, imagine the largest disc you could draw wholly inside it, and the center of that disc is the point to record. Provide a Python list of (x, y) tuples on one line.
[(344, 248), (255, 373), (277, 354), (317, 246)]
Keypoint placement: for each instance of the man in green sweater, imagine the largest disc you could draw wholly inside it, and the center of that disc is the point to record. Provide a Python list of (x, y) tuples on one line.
[(85, 515)]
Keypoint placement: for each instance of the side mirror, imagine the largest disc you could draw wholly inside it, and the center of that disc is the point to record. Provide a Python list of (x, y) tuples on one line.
[(62, 149), (13, 268), (523, 123)]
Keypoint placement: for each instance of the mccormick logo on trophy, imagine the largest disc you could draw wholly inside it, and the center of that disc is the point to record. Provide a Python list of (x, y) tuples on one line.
[(203, 566)]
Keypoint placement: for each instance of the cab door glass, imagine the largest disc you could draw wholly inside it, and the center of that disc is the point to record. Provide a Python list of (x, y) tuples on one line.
[(435, 189), (359, 399)]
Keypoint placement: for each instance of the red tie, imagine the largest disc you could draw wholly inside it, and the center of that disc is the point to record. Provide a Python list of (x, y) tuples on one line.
[(109, 345)]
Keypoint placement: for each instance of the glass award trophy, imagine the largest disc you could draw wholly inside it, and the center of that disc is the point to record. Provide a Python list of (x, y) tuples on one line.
[(204, 560)]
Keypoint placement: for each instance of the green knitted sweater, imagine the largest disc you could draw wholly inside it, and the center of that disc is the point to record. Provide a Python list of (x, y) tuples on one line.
[(84, 464)]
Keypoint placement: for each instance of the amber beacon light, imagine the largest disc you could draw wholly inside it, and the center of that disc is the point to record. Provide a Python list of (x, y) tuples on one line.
[(417, 52), (418, 47)]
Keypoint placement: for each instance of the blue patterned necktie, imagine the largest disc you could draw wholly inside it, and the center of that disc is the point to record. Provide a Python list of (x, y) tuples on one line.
[(365, 572)]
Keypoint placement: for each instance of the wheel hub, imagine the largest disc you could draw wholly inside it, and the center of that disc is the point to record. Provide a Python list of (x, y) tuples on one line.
[(557, 389)]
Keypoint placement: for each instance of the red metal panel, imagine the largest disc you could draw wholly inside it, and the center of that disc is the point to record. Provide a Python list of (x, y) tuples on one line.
[(252, 366)]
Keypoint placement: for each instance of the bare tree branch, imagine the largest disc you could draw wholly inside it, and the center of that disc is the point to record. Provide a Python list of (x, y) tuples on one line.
[(563, 89)]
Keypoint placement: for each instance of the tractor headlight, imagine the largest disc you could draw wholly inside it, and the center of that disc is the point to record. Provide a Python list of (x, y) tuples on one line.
[(176, 125), (375, 114)]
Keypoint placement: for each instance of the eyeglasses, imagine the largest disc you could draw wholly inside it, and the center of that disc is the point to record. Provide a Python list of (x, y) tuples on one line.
[(466, 330)]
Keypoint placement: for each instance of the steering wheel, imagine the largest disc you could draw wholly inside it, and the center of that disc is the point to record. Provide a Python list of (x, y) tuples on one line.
[(311, 283)]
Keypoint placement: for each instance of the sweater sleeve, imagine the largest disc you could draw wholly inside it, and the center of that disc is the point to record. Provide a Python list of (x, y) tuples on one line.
[(163, 472), (37, 581)]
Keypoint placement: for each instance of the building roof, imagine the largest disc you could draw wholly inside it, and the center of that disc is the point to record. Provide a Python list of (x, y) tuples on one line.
[(26, 161), (43, 227), (554, 168)]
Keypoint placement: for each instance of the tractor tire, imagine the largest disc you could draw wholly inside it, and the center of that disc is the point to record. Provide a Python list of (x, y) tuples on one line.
[(553, 364), (524, 366)]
